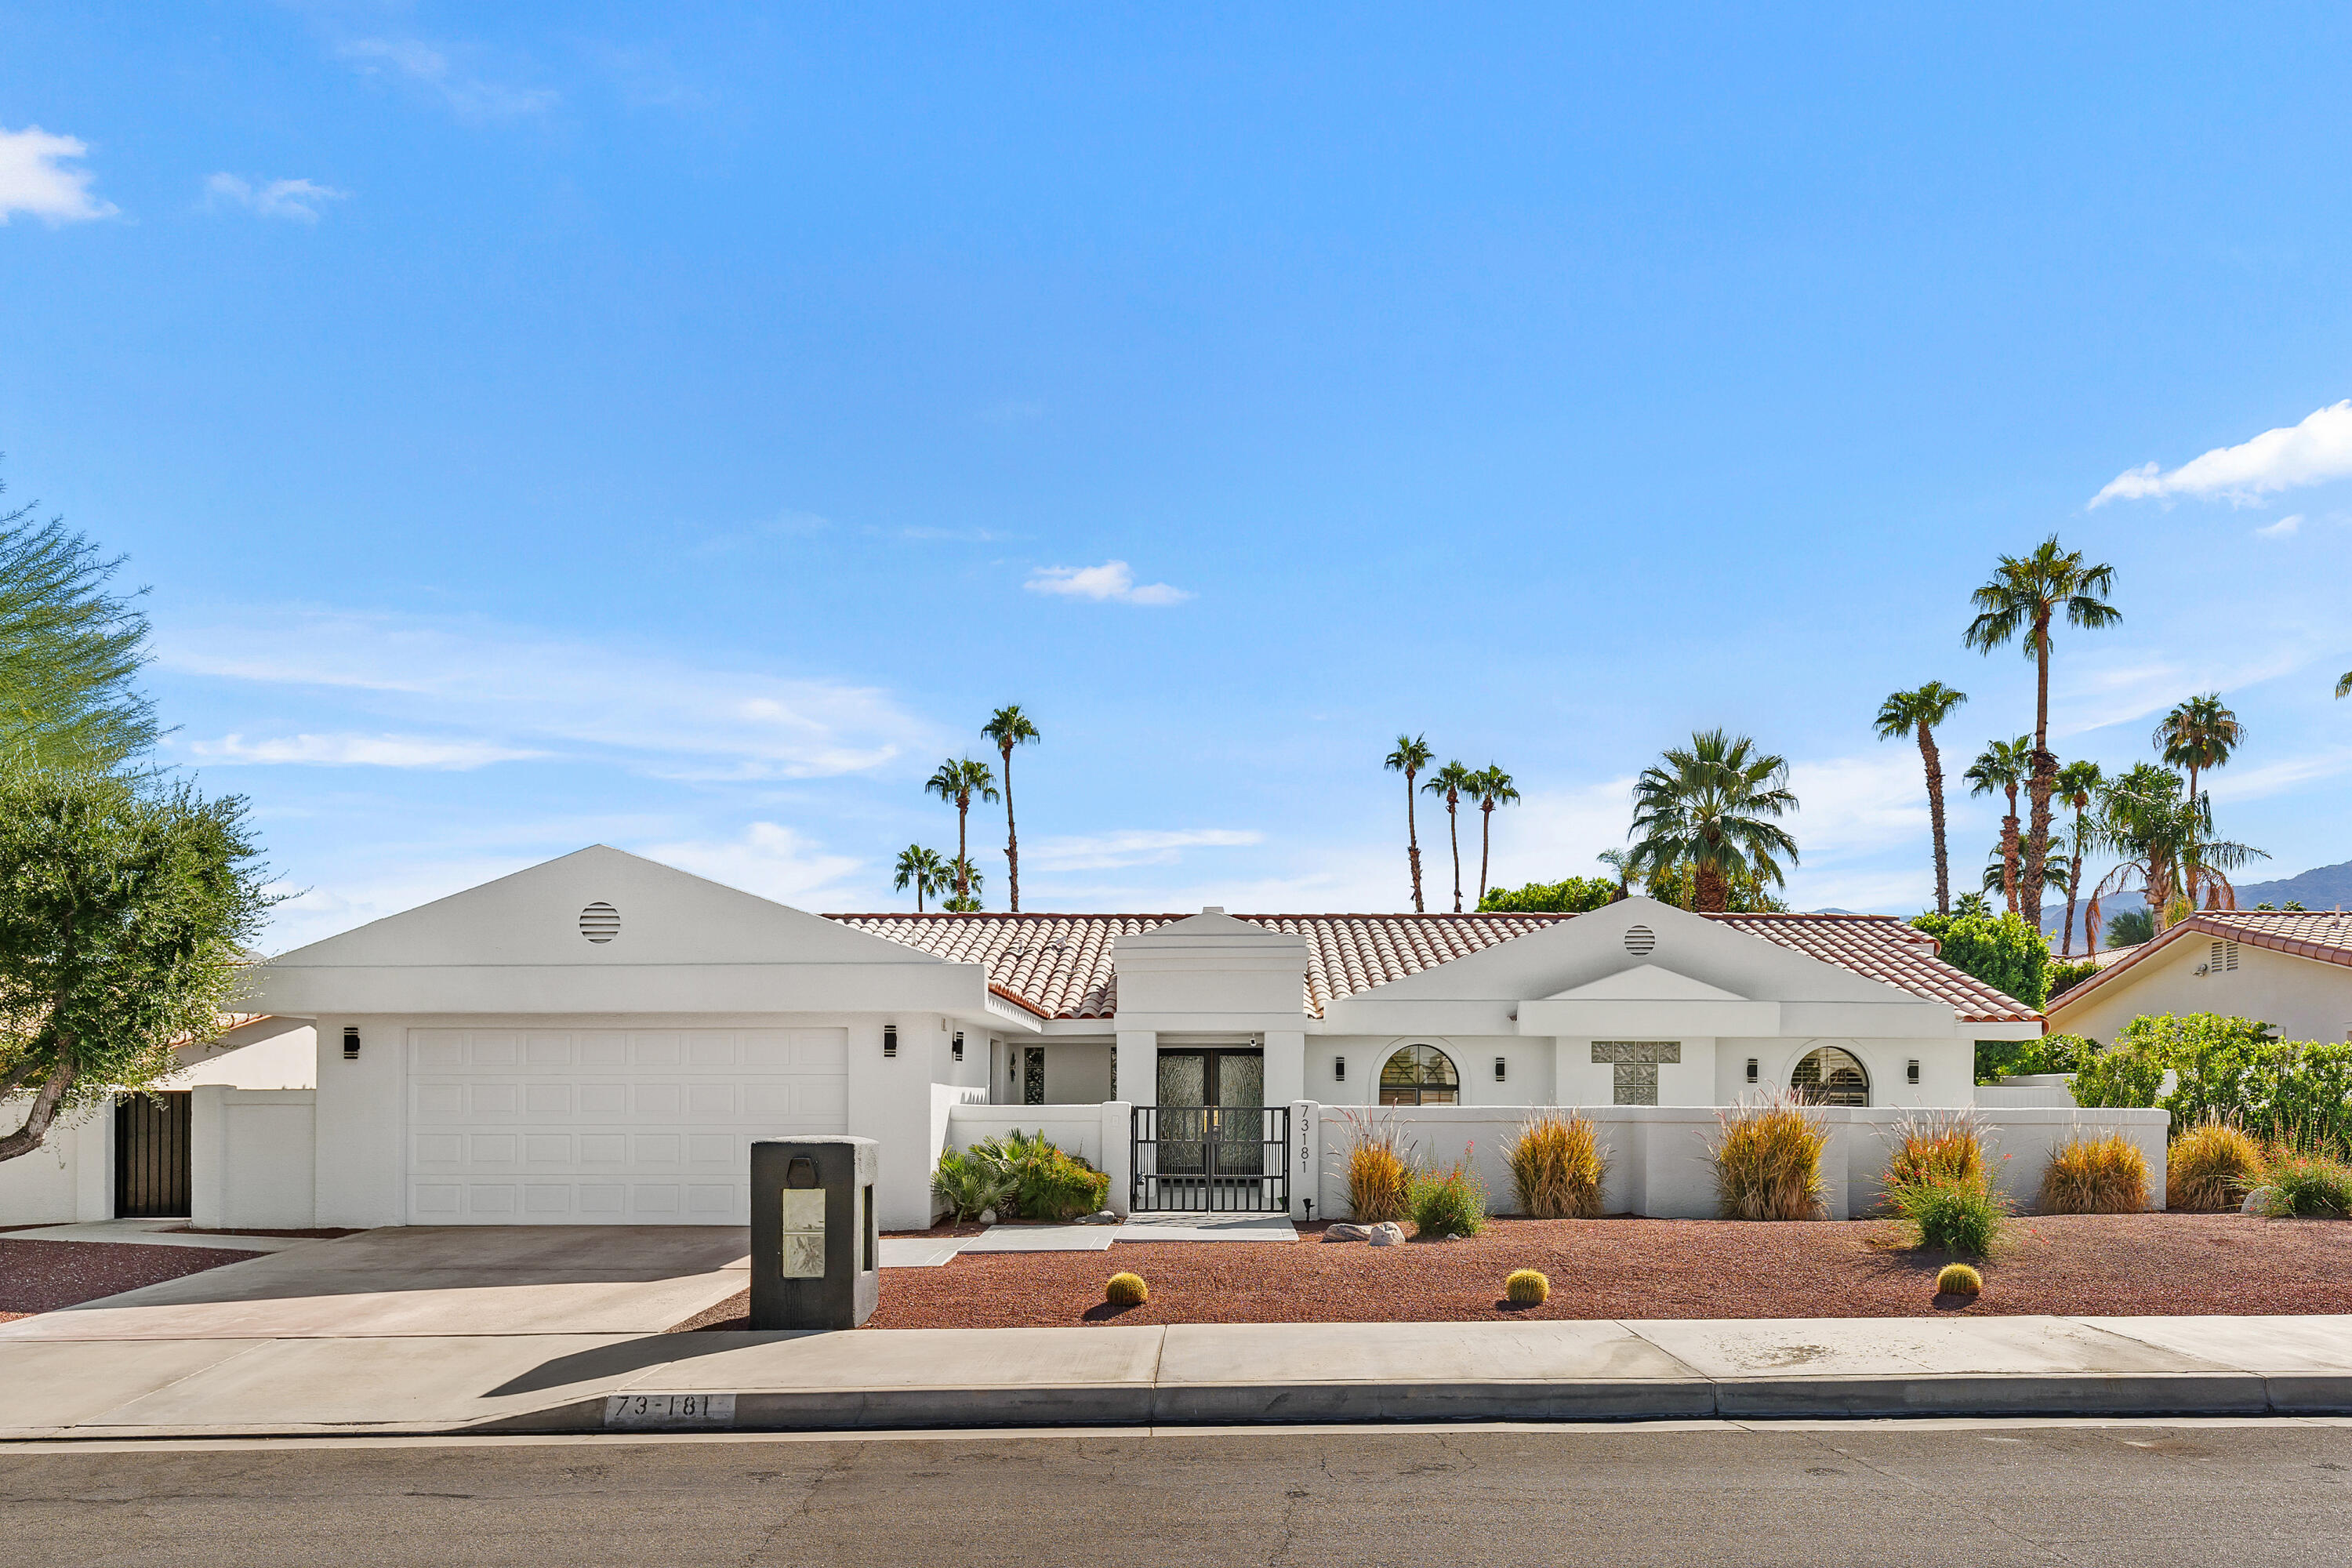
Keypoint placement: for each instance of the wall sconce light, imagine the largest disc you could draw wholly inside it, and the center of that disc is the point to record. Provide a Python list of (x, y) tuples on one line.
[(351, 1042), (959, 1044), (1751, 1070), (1912, 1074), (1339, 1069), (1498, 1070), (889, 1039)]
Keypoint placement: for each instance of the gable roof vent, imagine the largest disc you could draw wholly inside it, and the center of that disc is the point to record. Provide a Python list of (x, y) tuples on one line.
[(1640, 939), (599, 922)]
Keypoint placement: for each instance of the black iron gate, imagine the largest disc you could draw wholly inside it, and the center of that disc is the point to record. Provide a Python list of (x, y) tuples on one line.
[(151, 1155), (1214, 1159)]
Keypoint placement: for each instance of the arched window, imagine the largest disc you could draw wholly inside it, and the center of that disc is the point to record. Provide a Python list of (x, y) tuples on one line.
[(1420, 1074), (1831, 1077)]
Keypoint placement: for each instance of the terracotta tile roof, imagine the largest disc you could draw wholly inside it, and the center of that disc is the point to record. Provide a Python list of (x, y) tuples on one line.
[(2324, 935), (1059, 966)]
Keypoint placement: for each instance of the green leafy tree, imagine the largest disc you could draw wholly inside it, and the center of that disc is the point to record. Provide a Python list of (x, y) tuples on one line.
[(1009, 728), (1917, 713), (2078, 786), (2199, 735), (1411, 754), (1714, 806), (2002, 766), (1972, 904), (923, 870), (956, 782), (70, 652), (1492, 787), (125, 909), (1452, 781), (1575, 895), (2004, 952), (2023, 599)]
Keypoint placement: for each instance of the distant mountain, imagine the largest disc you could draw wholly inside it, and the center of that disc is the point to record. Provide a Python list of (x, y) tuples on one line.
[(2324, 887)]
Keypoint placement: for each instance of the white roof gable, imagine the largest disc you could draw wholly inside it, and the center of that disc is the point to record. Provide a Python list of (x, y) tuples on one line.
[(1645, 982)]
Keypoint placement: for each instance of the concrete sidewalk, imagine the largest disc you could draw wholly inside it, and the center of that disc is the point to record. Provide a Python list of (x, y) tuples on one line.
[(57, 1386)]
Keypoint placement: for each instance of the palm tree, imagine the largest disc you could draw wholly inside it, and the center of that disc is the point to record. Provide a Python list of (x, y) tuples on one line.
[(2002, 766), (1969, 905), (2027, 595), (965, 875), (1453, 780), (2078, 785), (958, 780), (1918, 712), (1621, 866), (2198, 734), (1493, 788), (1010, 728), (2056, 872), (923, 870), (1710, 806), (2167, 843), (2344, 687), (1412, 755)]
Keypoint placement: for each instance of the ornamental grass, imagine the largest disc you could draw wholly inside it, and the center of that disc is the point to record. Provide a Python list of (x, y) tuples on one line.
[(1379, 1169), (2306, 1184), (2096, 1176), (1556, 1166), (1937, 1146), (2213, 1166), (1768, 1161)]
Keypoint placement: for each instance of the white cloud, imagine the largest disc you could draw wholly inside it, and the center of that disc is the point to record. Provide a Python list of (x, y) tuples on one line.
[(1111, 580), (34, 178), (522, 690), (2314, 452), (361, 751), (1105, 851), (425, 65), (296, 199), (2284, 528), (768, 859)]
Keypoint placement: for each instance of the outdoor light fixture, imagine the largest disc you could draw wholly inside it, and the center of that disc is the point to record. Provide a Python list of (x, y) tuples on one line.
[(959, 1044), (1339, 1069), (1914, 1073), (1498, 1070), (351, 1042), (889, 1039), (1751, 1070)]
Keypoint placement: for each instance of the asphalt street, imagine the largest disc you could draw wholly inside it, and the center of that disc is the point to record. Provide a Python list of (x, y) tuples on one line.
[(1912, 1493)]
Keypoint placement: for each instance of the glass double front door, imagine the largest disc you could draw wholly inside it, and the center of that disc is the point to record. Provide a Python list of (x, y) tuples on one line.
[(1211, 1112)]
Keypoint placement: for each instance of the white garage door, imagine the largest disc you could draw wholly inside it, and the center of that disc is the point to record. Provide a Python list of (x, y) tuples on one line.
[(635, 1127)]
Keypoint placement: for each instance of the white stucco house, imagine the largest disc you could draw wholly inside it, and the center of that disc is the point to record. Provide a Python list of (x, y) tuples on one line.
[(2292, 970), (597, 1039)]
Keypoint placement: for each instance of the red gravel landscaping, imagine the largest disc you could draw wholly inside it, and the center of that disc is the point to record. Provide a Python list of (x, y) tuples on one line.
[(42, 1276), (2094, 1264)]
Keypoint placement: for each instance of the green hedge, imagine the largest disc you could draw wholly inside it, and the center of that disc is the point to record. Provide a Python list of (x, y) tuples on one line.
[(2296, 1092), (2003, 952), (1574, 896)]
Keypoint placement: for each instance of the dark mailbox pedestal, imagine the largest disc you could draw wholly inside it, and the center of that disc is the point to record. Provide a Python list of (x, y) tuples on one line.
[(814, 1262)]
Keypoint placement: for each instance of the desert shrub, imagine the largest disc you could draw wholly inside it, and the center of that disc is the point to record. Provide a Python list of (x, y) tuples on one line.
[(1379, 1169), (1046, 1181), (2096, 1176), (1937, 1146), (2213, 1166), (1962, 1216), (1556, 1166), (1958, 1280), (1449, 1203), (2307, 1184), (2003, 952), (970, 1183), (1126, 1290), (1526, 1288), (1768, 1161)]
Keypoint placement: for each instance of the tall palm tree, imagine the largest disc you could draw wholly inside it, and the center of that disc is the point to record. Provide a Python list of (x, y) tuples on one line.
[(1010, 728), (2003, 766), (1412, 755), (2078, 786), (1711, 805), (2344, 687), (2026, 595), (1453, 780), (1493, 788), (923, 870), (2197, 735), (2167, 843), (963, 873), (1918, 712), (957, 781)]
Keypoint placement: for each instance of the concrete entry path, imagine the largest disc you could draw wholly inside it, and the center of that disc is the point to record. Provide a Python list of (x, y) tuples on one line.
[(431, 1281), (1188, 1227)]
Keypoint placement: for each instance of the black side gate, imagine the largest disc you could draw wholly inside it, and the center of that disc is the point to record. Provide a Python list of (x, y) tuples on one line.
[(1210, 1159), (151, 1155)]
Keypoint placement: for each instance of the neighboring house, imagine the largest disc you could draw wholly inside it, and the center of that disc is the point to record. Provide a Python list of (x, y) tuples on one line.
[(2291, 969), (597, 1039)]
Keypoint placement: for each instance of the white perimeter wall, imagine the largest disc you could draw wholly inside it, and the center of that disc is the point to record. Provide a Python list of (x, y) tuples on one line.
[(251, 1154), (1660, 1160), (69, 1177), (1101, 1134)]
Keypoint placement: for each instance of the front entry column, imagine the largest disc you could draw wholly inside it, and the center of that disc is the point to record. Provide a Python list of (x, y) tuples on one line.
[(1286, 1066), (1135, 1067)]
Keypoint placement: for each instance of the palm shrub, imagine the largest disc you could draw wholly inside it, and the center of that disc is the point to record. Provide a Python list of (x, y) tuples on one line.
[(2213, 1166), (1556, 1166), (1768, 1161), (1039, 1180), (1449, 1203), (2096, 1176), (971, 1184), (1379, 1169)]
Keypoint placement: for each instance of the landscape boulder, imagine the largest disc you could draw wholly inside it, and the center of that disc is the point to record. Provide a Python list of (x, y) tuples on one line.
[(1343, 1231), (2257, 1202), (1388, 1233)]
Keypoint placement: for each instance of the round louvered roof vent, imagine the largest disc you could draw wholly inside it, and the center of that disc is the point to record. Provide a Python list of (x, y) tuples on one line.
[(599, 922), (1640, 939)]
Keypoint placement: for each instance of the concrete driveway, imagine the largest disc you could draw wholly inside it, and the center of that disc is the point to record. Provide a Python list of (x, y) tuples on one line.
[(424, 1282)]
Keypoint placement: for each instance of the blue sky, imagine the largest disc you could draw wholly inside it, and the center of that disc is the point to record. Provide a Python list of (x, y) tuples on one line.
[(679, 428)]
